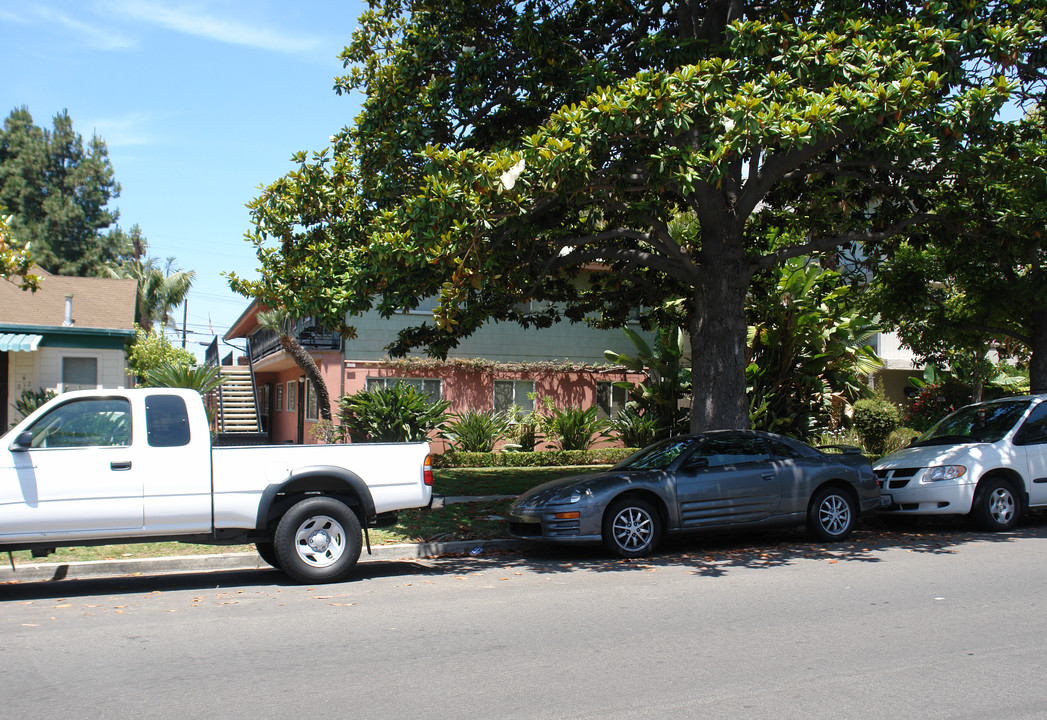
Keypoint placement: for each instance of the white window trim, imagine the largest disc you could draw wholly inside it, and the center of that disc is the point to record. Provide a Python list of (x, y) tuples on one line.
[(99, 358)]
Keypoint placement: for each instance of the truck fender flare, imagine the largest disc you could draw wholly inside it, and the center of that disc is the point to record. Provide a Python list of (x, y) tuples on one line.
[(324, 479)]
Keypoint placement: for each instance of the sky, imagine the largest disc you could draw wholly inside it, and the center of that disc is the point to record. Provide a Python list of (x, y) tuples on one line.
[(199, 104)]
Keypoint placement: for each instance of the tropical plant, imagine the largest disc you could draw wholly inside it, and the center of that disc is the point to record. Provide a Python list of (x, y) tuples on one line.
[(285, 325), (875, 419), (574, 428), (935, 401), (30, 400), (160, 290), (476, 430), (523, 429), (667, 382), (807, 350), (327, 433), (634, 427), (202, 378), (397, 413)]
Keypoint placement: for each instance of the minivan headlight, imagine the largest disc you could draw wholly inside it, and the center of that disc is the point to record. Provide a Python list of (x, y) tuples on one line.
[(944, 472)]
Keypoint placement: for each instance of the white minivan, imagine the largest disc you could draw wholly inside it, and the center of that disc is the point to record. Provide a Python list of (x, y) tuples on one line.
[(987, 460)]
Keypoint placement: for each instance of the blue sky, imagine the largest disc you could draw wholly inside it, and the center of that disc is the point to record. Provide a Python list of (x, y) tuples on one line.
[(199, 103)]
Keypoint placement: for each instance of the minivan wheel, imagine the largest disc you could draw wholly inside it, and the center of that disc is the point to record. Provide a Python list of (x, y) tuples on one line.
[(997, 506)]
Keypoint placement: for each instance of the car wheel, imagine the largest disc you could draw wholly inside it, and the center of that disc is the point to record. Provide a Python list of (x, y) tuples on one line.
[(267, 551), (996, 505), (631, 528), (318, 540), (831, 515)]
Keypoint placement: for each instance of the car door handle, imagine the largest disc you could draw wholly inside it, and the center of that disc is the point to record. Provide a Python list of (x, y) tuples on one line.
[(768, 476), (124, 465)]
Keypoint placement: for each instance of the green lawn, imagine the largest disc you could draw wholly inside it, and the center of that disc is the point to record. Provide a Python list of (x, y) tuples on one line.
[(462, 521)]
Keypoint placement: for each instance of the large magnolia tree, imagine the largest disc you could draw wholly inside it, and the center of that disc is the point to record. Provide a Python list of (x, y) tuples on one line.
[(537, 150)]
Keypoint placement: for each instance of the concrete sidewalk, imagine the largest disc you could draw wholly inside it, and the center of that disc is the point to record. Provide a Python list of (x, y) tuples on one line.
[(52, 571)]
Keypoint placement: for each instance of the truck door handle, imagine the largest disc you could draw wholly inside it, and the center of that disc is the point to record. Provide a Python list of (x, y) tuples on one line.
[(124, 465)]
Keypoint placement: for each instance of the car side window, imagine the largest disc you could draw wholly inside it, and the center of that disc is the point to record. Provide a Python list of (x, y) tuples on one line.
[(1034, 430), (733, 450), (166, 421), (784, 451), (91, 422)]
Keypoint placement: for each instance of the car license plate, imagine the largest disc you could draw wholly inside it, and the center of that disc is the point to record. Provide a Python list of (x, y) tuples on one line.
[(886, 501)]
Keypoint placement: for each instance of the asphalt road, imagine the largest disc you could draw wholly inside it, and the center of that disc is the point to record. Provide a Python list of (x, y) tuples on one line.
[(935, 622)]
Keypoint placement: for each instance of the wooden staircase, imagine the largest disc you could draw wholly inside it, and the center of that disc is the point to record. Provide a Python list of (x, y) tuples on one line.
[(237, 406)]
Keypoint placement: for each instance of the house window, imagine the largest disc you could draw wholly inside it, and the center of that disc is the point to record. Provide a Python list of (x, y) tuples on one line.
[(610, 399), (311, 401), (432, 388), (292, 388), (79, 373), (279, 404), (513, 392)]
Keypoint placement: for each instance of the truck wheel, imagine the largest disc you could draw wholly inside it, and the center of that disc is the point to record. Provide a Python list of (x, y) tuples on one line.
[(318, 540), (996, 505), (267, 552)]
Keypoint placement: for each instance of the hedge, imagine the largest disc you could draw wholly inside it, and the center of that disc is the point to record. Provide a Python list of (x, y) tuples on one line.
[(543, 458)]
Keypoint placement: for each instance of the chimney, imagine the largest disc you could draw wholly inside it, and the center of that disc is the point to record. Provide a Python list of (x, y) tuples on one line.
[(68, 311)]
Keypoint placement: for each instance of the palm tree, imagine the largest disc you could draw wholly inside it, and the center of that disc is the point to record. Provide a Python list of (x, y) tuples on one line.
[(160, 290), (281, 322)]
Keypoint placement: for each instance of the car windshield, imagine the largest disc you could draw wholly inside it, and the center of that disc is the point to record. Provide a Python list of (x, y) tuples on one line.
[(987, 422), (658, 456)]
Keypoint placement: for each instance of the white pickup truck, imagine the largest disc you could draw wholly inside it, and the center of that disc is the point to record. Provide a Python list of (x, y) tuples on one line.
[(96, 467)]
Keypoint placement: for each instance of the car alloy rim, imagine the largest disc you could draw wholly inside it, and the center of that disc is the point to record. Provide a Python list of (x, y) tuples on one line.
[(632, 528), (834, 514), (1001, 506), (320, 541)]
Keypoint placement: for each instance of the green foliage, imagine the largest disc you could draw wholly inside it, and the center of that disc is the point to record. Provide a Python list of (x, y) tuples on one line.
[(573, 428), (667, 381), (545, 458), (202, 378), (476, 430), (160, 289), (899, 439), (400, 413), (58, 193), (149, 351), (807, 349), (635, 428), (327, 433), (934, 402), (15, 259), (495, 173), (30, 400), (875, 419)]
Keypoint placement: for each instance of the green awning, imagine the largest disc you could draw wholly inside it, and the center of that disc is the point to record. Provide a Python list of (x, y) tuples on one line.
[(14, 342)]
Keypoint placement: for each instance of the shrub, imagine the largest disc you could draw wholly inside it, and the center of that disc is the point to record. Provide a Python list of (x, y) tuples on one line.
[(202, 378), (30, 400), (874, 419), (635, 429), (327, 433), (476, 430), (935, 402), (899, 439), (401, 413), (553, 458), (573, 428), (150, 351)]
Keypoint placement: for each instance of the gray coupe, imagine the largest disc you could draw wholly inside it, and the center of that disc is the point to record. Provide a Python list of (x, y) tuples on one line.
[(713, 481)]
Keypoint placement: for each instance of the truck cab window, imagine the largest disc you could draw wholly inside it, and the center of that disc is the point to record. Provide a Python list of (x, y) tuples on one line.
[(95, 422), (166, 421)]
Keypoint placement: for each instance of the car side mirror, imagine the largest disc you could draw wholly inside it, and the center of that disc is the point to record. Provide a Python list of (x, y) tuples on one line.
[(696, 463), (23, 442)]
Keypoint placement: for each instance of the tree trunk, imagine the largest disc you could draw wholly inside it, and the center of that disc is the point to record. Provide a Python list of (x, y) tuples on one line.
[(1038, 357), (718, 331), (305, 361)]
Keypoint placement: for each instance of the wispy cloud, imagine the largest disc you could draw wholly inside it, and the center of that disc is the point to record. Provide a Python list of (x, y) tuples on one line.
[(190, 20), (129, 130), (89, 34)]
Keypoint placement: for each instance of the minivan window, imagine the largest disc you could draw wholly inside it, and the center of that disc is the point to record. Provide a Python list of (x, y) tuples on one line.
[(984, 422)]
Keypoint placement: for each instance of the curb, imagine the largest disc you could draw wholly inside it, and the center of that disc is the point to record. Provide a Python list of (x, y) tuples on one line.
[(53, 572)]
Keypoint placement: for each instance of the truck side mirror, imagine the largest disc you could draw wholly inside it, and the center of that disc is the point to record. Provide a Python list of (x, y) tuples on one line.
[(23, 442)]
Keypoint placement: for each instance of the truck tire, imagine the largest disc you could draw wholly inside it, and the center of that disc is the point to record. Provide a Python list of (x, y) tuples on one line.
[(318, 540), (267, 552)]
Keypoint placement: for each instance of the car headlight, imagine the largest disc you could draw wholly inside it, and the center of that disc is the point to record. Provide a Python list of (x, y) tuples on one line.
[(574, 497), (944, 472)]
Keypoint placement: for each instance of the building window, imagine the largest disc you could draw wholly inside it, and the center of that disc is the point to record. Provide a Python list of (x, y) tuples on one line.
[(513, 392), (311, 401), (292, 388), (610, 399), (279, 404), (79, 373), (432, 388)]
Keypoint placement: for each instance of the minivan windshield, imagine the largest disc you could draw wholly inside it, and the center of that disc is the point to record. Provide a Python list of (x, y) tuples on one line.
[(985, 422)]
